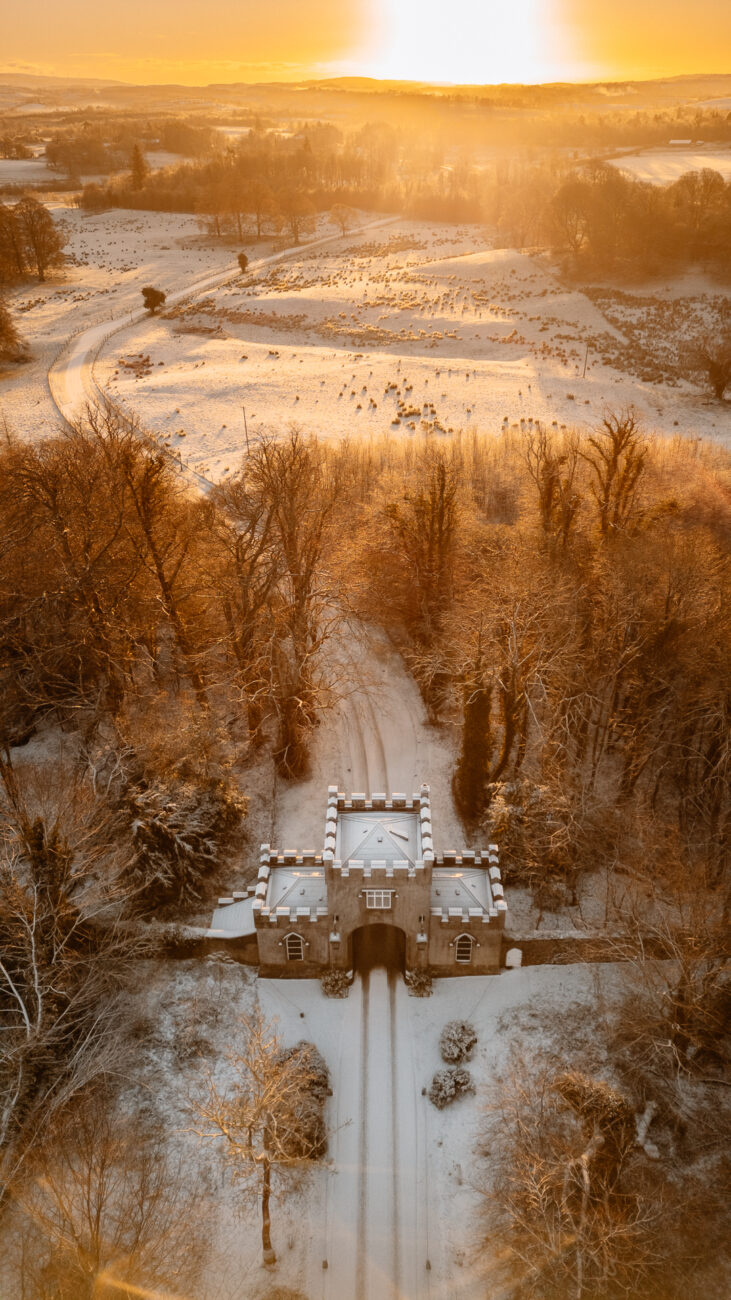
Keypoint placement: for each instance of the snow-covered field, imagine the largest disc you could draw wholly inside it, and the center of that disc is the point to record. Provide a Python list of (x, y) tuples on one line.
[(662, 166), (25, 171), (110, 256), (404, 331), (410, 327)]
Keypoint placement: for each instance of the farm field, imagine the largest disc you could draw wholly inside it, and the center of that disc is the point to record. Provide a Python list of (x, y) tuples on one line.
[(663, 166), (420, 329)]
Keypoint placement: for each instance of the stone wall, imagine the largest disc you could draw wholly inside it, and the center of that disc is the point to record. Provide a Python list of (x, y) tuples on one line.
[(562, 947)]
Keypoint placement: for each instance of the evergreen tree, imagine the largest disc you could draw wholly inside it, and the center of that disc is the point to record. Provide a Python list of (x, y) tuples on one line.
[(138, 167), (473, 766)]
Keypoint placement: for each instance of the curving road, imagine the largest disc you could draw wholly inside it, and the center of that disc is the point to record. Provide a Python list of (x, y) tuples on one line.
[(71, 377)]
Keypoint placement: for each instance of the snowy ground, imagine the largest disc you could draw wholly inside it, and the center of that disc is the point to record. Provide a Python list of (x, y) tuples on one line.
[(408, 331), (662, 166), (110, 256), (400, 1184)]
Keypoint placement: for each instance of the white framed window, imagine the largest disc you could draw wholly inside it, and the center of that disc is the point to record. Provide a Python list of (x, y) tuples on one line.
[(378, 898), (463, 949), (294, 946)]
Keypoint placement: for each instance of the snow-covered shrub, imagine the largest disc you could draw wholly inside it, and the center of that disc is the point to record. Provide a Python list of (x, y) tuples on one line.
[(457, 1041), (190, 1043), (308, 1136), (419, 983), (335, 983), (178, 831), (315, 1074), (448, 1085)]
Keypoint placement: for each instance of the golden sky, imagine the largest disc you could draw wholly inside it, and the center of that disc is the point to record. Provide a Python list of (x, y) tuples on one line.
[(199, 41)]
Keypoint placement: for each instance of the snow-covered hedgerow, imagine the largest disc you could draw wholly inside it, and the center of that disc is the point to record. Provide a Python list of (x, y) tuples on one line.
[(457, 1041), (448, 1085)]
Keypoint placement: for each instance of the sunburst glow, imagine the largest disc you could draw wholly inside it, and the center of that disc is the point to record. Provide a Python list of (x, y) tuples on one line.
[(468, 41)]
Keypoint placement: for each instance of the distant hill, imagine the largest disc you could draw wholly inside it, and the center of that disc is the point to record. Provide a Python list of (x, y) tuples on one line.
[(34, 81)]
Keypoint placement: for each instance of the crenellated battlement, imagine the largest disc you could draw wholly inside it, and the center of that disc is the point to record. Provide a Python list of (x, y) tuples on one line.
[(381, 870), (377, 872)]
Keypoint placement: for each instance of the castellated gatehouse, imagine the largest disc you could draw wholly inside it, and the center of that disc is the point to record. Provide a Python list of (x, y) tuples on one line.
[(377, 892)]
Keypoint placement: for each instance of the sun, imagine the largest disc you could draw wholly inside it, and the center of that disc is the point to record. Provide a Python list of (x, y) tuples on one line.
[(463, 41)]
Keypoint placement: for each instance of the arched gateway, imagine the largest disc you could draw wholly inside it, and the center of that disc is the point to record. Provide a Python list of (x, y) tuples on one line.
[(378, 945), (376, 888)]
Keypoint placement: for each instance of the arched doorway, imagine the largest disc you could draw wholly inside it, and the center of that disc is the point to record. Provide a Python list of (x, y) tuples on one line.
[(379, 945)]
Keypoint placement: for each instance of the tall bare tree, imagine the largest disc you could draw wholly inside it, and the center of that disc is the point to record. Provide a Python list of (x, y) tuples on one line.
[(270, 1122)]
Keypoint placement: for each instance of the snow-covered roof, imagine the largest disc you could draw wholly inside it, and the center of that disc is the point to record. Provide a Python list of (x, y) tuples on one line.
[(296, 887), (378, 836), (460, 887), (234, 920)]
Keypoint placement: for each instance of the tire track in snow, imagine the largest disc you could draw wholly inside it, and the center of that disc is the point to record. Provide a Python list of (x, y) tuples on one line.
[(393, 1040), (358, 747), (361, 1272), (379, 1170), (377, 1244)]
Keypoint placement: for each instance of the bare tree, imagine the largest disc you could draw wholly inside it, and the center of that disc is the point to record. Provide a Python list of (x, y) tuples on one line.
[(553, 471), (566, 1192), (106, 1211), (293, 482), (343, 216), (44, 240), (711, 357), (270, 1122), (246, 578), (63, 959), (423, 526), (298, 212), (616, 459)]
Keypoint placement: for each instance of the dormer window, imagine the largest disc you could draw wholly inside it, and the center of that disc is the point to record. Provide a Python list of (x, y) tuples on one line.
[(463, 949), (294, 946), (379, 899)]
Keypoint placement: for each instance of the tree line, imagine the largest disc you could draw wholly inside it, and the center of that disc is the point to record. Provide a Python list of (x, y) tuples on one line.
[(562, 599), (598, 218)]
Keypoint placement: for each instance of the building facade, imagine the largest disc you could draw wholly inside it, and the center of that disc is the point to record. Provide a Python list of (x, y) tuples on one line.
[(377, 892)]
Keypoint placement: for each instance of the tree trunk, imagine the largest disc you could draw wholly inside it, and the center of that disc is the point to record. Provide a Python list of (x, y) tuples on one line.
[(266, 1223)]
